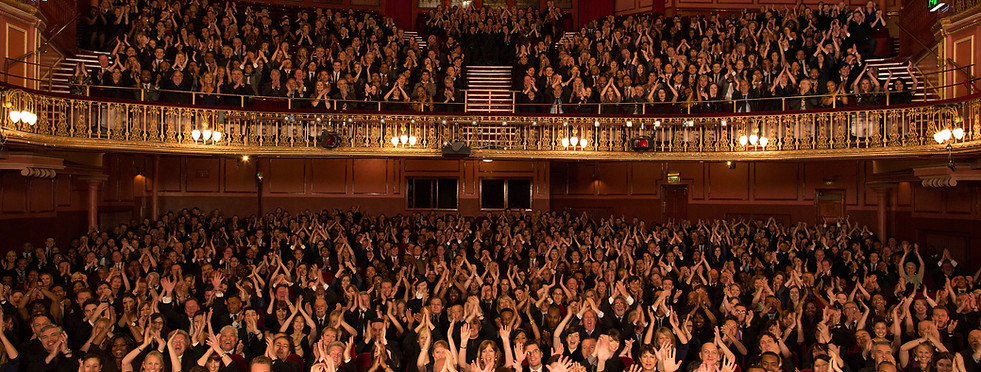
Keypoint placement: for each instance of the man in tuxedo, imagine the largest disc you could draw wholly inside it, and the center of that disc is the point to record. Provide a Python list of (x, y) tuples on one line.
[(236, 89), (102, 74), (175, 88), (557, 101), (274, 88)]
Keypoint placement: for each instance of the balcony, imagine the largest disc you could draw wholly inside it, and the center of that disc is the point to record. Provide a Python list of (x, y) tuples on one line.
[(117, 126)]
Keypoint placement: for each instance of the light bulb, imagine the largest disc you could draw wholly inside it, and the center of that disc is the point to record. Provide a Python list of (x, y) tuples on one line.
[(630, 123), (595, 123), (403, 138), (574, 141), (206, 134), (724, 122), (753, 139), (412, 140), (14, 116), (657, 123), (395, 141), (196, 134), (216, 136), (938, 137), (743, 140), (28, 117), (958, 133), (764, 141), (565, 142), (582, 142)]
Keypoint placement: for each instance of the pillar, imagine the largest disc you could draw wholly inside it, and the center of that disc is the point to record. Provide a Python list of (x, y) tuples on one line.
[(93, 183), (155, 186), (882, 198)]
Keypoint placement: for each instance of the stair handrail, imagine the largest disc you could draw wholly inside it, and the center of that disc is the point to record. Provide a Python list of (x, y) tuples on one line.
[(948, 60), (41, 48)]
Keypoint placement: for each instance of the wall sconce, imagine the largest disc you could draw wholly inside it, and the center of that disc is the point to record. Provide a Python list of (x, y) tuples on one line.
[(948, 136), (753, 140), (574, 142), (404, 140), (25, 116), (206, 135)]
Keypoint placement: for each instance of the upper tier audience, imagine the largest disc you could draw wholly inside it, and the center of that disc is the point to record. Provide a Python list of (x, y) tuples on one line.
[(508, 292), (216, 53)]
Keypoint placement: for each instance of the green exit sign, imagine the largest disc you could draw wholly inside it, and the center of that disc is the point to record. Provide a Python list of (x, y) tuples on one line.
[(935, 5)]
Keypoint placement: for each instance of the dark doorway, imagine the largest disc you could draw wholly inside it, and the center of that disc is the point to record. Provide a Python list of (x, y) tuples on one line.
[(674, 202)]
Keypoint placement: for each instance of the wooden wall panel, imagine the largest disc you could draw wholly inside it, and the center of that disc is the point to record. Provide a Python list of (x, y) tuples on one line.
[(959, 200), (775, 181), (963, 55), (541, 180), (927, 199), (14, 187), (904, 194), (582, 179), (728, 184), (203, 174), (506, 166), (171, 173), (238, 176), (612, 179), (370, 176), (559, 178), (644, 178), (328, 176), (42, 191), (63, 190), (16, 46), (285, 176), (431, 165)]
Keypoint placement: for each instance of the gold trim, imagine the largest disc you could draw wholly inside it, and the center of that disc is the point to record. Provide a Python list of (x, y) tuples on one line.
[(83, 124)]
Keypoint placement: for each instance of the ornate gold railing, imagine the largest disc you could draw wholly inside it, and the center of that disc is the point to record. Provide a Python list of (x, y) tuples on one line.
[(64, 121)]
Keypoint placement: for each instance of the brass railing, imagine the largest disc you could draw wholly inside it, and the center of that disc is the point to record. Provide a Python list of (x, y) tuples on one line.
[(959, 6), (65, 121)]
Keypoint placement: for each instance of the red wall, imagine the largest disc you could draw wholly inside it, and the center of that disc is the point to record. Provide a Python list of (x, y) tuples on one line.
[(945, 217)]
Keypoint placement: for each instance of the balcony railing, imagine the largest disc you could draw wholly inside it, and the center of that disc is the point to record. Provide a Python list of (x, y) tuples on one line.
[(79, 122)]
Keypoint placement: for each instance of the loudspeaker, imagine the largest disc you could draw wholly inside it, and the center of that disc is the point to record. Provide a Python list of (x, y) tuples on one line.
[(328, 140), (456, 148)]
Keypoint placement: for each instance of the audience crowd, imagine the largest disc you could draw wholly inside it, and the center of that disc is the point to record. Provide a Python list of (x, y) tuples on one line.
[(513, 291), (216, 53)]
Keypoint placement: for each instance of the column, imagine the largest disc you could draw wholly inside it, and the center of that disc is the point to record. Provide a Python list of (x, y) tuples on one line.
[(155, 186), (882, 204), (93, 183)]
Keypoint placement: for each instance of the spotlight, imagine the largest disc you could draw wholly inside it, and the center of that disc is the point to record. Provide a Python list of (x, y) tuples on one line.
[(329, 140), (245, 158), (641, 143), (730, 164)]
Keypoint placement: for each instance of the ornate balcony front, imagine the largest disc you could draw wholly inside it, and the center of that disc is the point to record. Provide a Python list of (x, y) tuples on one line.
[(896, 131)]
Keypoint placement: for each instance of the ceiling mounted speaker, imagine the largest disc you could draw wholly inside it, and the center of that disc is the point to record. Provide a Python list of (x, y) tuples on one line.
[(456, 148), (641, 143), (328, 140)]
